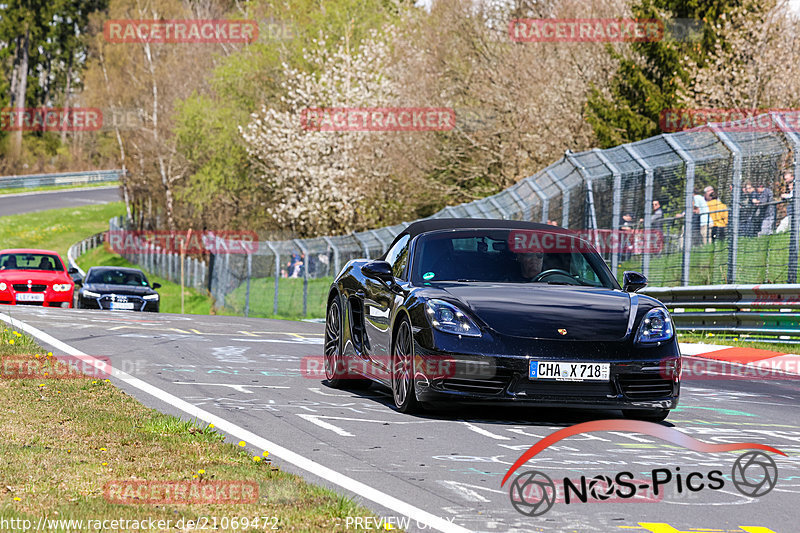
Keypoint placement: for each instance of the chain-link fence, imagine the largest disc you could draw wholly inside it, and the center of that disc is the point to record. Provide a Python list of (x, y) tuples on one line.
[(721, 197)]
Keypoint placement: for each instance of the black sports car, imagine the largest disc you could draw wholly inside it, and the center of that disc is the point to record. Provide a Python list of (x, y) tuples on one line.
[(453, 312), (117, 288)]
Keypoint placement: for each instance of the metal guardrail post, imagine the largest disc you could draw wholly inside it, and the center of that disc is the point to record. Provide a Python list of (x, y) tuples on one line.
[(564, 197), (363, 244), (247, 290), (587, 179), (378, 238), (648, 200), (277, 275), (303, 249), (542, 196), (505, 214), (336, 261), (688, 161), (794, 230), (733, 243), (522, 205), (616, 208)]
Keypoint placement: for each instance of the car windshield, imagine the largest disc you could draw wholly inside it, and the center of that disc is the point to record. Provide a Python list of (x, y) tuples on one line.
[(490, 255), (117, 277), (32, 261)]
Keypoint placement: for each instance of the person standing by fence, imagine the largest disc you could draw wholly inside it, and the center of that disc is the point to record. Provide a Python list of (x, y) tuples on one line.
[(718, 213), (766, 210)]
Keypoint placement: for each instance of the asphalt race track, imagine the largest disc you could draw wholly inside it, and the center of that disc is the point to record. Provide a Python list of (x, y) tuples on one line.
[(449, 463), (16, 203)]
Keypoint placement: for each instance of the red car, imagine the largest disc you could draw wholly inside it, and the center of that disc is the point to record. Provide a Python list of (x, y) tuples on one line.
[(34, 277)]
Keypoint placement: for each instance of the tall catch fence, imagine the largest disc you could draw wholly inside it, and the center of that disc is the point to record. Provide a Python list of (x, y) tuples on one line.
[(721, 196)]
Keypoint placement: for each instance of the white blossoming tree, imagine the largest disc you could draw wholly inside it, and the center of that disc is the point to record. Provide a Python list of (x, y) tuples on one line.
[(321, 182)]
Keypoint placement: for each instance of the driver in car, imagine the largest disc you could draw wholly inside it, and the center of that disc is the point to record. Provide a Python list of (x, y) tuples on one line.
[(530, 264)]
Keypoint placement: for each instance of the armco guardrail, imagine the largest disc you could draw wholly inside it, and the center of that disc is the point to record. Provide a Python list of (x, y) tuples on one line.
[(62, 178), (81, 247), (755, 312)]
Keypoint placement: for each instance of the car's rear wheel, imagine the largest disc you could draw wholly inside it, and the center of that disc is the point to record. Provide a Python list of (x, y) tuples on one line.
[(648, 415), (402, 378)]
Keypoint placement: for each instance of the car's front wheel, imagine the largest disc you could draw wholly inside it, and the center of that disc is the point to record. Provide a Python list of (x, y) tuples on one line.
[(402, 378), (647, 415), (335, 372), (333, 345)]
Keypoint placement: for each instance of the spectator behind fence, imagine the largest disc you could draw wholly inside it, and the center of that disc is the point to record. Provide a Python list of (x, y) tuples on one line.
[(747, 214), (784, 188), (657, 217), (718, 213), (766, 210), (788, 206)]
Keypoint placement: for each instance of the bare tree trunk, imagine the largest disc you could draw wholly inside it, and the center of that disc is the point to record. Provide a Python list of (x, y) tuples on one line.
[(124, 180), (22, 88), (66, 97)]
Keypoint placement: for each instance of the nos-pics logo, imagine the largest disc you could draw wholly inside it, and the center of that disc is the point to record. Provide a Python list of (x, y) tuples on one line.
[(533, 493)]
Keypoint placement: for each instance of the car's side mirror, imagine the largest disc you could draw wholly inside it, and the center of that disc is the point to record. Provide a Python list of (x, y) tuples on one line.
[(156, 286), (633, 281), (380, 270), (72, 270), (77, 281)]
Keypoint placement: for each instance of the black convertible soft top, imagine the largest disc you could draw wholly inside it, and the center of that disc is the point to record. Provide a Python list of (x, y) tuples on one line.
[(435, 224)]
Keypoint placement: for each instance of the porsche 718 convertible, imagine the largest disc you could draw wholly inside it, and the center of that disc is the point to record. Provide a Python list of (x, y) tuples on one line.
[(453, 311)]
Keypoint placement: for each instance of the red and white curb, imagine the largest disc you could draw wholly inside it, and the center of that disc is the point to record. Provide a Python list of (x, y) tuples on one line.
[(754, 360)]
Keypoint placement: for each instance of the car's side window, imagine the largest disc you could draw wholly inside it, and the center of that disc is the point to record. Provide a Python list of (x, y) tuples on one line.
[(397, 256)]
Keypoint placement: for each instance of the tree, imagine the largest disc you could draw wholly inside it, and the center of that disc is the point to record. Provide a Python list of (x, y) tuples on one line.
[(319, 181), (649, 75)]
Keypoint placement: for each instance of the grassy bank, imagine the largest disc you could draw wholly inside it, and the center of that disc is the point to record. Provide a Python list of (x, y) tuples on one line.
[(64, 440), (56, 229), (290, 298)]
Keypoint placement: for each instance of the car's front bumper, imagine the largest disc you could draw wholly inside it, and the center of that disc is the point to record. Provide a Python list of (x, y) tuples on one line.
[(109, 303), (496, 370)]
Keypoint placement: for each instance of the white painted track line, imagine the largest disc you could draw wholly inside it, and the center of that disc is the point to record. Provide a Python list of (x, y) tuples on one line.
[(370, 493)]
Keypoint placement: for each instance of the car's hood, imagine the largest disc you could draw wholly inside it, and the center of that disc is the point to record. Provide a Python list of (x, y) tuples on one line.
[(35, 276), (540, 311), (108, 288)]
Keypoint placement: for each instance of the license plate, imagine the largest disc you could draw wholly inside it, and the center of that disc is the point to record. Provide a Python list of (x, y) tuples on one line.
[(30, 297), (122, 306), (568, 371)]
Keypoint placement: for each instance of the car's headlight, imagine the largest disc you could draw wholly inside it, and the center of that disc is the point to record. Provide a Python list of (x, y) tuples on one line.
[(91, 294), (150, 297), (447, 317), (3, 286), (655, 327), (62, 287)]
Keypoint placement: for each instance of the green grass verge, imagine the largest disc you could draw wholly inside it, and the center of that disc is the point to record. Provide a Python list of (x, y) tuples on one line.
[(56, 229), (58, 187), (195, 302), (290, 298), (64, 440), (759, 260)]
